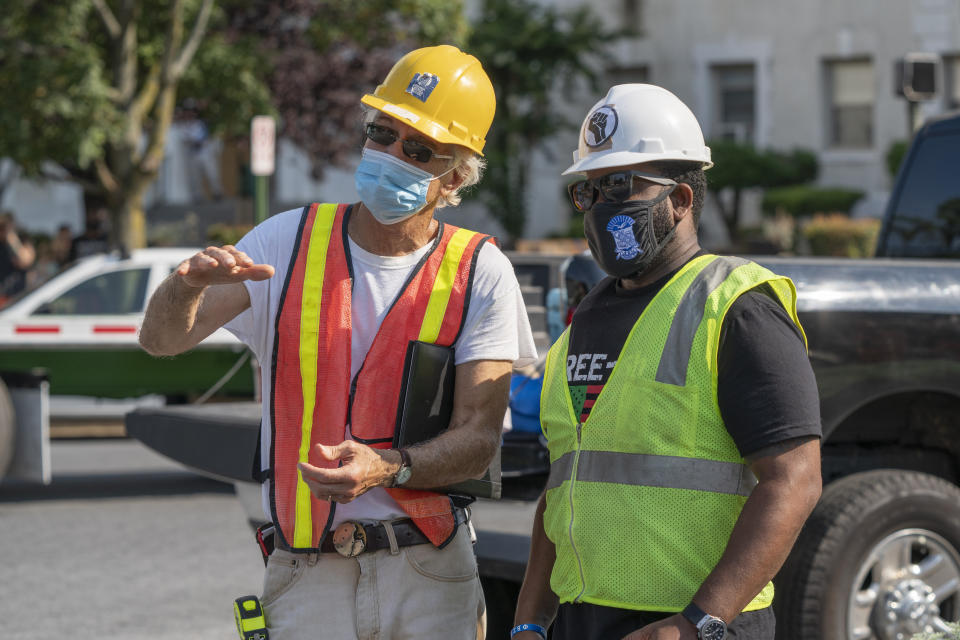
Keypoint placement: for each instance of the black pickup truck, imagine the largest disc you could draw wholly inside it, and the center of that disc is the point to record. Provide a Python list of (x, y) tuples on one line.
[(880, 556)]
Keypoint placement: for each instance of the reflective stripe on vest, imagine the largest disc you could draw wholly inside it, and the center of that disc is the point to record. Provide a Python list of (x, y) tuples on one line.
[(313, 398), (666, 472), (651, 484)]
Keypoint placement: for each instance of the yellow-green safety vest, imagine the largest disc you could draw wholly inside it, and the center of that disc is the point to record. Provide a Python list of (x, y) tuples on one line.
[(643, 495)]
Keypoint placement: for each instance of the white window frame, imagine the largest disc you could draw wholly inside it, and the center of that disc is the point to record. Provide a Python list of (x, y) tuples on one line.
[(830, 67), (757, 53)]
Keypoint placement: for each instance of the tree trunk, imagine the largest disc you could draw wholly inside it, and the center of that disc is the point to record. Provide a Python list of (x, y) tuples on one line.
[(730, 214), (129, 223)]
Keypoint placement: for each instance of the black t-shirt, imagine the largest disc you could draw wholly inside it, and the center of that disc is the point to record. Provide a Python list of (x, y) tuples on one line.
[(766, 388)]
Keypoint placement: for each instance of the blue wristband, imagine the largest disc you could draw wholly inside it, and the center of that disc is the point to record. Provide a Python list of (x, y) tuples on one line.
[(529, 626)]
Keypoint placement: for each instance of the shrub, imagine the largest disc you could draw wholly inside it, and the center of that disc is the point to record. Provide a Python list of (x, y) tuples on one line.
[(953, 634), (805, 200), (839, 235), (221, 233), (895, 155)]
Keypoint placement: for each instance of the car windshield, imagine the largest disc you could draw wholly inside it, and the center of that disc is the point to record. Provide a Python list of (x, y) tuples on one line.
[(6, 303), (926, 216), (114, 293)]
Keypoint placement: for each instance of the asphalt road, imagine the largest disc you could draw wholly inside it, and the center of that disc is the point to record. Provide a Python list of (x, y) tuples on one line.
[(123, 544), (127, 545)]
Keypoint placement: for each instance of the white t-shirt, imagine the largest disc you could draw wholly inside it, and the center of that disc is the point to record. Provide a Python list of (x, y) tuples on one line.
[(496, 326)]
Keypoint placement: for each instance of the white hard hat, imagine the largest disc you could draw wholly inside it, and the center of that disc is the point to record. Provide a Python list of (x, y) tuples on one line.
[(637, 123)]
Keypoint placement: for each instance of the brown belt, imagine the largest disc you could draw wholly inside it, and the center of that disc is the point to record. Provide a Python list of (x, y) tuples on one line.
[(351, 538)]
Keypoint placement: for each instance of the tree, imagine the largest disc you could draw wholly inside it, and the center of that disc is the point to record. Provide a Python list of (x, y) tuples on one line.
[(325, 54), (91, 86), (739, 166), (531, 52)]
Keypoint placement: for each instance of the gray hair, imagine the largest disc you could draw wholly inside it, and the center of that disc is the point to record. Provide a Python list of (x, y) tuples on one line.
[(470, 167)]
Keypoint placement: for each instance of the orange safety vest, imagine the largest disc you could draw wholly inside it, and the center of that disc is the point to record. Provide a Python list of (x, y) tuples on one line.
[(313, 399)]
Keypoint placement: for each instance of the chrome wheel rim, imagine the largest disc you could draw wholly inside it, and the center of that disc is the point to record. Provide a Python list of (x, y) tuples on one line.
[(905, 585)]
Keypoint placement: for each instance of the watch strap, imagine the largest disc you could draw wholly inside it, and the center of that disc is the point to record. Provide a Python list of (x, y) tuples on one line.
[(405, 465), (694, 614), (701, 619)]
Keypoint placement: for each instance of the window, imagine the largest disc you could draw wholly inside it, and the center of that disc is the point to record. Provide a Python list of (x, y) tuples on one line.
[(628, 75), (114, 293), (926, 216), (951, 86), (734, 112), (851, 95), (633, 16)]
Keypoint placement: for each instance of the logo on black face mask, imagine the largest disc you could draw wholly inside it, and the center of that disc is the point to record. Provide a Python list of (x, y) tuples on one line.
[(621, 228), (601, 124)]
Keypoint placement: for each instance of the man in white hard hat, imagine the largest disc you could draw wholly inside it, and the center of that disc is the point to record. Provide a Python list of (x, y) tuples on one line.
[(680, 408), (332, 299)]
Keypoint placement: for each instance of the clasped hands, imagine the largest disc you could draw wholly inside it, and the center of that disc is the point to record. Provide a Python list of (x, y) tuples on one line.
[(361, 469)]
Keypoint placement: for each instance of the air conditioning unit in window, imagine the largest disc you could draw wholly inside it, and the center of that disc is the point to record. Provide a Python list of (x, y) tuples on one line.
[(915, 76)]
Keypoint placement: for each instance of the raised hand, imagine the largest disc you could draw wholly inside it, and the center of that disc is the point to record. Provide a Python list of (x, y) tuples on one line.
[(221, 265)]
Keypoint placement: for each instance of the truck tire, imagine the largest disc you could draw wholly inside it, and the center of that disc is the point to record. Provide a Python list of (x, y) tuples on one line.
[(8, 430), (879, 559)]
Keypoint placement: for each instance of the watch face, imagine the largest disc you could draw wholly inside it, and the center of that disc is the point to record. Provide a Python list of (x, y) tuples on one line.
[(713, 630), (402, 475)]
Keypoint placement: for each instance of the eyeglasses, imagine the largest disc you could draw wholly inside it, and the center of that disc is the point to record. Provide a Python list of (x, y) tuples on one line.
[(615, 187), (411, 148)]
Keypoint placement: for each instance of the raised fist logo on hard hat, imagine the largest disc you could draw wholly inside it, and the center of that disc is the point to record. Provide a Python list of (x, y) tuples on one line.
[(601, 124)]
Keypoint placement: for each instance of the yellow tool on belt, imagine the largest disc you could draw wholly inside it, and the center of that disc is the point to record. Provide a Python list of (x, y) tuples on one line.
[(249, 616)]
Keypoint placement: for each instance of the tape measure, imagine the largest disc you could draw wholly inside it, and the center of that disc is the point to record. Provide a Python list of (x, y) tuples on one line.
[(249, 616)]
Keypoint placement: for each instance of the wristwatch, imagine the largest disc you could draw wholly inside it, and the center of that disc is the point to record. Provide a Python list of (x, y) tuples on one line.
[(403, 473), (708, 627)]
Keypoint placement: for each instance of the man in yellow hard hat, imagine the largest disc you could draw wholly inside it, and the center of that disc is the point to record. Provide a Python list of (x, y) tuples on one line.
[(332, 299)]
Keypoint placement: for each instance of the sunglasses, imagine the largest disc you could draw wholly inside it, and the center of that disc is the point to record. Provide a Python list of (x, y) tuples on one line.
[(411, 148), (615, 187)]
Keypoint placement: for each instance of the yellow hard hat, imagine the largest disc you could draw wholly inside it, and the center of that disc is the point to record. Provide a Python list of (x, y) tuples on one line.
[(441, 92)]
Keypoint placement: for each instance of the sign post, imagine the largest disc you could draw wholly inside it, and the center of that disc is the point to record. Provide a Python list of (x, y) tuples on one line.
[(263, 132)]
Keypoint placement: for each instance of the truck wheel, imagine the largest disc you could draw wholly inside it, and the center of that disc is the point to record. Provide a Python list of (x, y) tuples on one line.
[(879, 559), (8, 430)]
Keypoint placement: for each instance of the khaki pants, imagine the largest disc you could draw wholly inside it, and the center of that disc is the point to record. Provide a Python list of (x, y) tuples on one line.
[(411, 592)]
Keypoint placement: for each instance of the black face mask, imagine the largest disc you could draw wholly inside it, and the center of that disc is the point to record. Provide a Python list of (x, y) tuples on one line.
[(622, 236)]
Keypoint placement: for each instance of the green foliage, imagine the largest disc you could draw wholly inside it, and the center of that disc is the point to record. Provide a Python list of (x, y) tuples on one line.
[(805, 200), (531, 52), (742, 166), (319, 57), (54, 91), (895, 156), (226, 80), (953, 634), (221, 233), (739, 166), (839, 235), (373, 23)]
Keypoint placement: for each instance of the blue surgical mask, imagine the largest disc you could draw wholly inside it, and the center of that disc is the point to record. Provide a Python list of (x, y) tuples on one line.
[(393, 190)]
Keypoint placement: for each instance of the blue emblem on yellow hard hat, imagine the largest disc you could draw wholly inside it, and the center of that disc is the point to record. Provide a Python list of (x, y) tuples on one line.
[(422, 85), (621, 228)]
